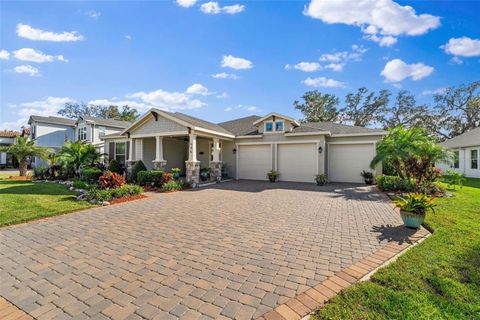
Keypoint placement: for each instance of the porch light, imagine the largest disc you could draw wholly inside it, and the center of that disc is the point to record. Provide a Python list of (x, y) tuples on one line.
[(234, 151), (320, 149)]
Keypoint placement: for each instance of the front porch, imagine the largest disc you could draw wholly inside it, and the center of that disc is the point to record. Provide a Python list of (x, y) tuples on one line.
[(190, 153)]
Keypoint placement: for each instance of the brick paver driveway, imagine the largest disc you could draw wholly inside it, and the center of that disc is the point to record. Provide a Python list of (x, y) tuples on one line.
[(235, 250)]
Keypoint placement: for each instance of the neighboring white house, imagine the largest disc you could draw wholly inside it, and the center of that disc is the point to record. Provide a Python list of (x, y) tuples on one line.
[(7, 138), (52, 132), (466, 149), (247, 148)]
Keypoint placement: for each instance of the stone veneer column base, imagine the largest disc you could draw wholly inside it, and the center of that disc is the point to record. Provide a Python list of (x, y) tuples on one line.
[(129, 165), (193, 172), (215, 170), (159, 164)]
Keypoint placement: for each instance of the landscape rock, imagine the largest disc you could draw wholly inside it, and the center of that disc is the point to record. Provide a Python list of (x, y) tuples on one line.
[(105, 203)]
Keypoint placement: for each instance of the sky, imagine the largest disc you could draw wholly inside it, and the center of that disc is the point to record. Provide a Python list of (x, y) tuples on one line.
[(227, 59)]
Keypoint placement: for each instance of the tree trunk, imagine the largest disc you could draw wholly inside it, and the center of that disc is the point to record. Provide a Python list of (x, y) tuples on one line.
[(23, 167)]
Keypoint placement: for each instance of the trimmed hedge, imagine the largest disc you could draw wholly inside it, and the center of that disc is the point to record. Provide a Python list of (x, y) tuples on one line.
[(139, 166), (115, 166), (395, 183), (91, 175), (152, 178), (109, 194)]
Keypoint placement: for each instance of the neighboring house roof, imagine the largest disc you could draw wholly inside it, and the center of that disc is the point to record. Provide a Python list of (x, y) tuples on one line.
[(54, 120), (107, 122), (337, 128), (9, 134), (467, 139), (241, 127)]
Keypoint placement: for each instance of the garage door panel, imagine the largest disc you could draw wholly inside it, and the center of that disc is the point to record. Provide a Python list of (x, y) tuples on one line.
[(347, 161), (254, 161), (297, 162)]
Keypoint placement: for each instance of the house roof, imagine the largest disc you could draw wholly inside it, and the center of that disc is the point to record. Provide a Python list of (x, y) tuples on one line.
[(274, 114), (338, 128), (9, 133), (196, 122), (242, 126), (467, 139), (51, 119), (107, 122)]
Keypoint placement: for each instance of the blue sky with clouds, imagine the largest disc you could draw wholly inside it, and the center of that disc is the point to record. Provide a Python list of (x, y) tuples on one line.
[(221, 60)]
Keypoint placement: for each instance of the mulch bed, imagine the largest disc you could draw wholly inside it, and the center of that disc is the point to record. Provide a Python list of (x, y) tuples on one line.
[(18, 178), (128, 199)]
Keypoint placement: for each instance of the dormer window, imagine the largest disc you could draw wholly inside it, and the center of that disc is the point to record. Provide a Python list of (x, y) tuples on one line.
[(268, 126), (279, 126), (274, 126)]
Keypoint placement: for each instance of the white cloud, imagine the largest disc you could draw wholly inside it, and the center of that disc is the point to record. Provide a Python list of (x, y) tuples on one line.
[(197, 88), (31, 71), (128, 37), (223, 95), (47, 107), (335, 66), (396, 70), (186, 3), (14, 125), (168, 100), (434, 91), (28, 32), (230, 61), (305, 66), (323, 82), (29, 54), (4, 55), (337, 60), (464, 47), (242, 107), (141, 107), (93, 14), (381, 21), (213, 7), (456, 60), (224, 75)]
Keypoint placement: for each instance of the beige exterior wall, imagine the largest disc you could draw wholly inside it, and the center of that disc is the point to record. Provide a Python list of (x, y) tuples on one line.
[(175, 152), (152, 127), (148, 152), (229, 158)]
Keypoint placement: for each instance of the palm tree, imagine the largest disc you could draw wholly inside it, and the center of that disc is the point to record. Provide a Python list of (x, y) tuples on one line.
[(23, 149), (78, 154)]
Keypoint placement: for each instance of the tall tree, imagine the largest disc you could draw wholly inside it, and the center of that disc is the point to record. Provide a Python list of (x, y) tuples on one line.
[(318, 107), (128, 114), (364, 108), (75, 110), (457, 110), (405, 112)]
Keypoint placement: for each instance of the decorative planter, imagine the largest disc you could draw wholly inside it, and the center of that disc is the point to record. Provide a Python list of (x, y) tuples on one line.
[(369, 181), (272, 178), (412, 220)]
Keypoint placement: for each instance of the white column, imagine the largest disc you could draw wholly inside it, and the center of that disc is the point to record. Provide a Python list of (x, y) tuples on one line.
[(192, 147), (159, 149), (130, 150), (216, 150), (138, 149)]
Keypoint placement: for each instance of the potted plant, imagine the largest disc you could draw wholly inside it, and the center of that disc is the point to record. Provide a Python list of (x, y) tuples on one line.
[(176, 173), (413, 208), (321, 179), (367, 177), (204, 174), (272, 175)]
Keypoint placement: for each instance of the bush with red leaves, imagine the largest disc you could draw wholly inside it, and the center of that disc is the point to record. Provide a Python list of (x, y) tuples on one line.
[(111, 180)]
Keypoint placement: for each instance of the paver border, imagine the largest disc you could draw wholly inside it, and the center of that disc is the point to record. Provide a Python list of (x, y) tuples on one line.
[(9, 311)]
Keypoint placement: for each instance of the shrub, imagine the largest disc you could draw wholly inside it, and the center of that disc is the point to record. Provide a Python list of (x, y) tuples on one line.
[(39, 172), (109, 194), (166, 178), (79, 184), (91, 175), (417, 203), (172, 186), (99, 194), (139, 166), (395, 183), (453, 179), (115, 166), (152, 178), (321, 179), (111, 180)]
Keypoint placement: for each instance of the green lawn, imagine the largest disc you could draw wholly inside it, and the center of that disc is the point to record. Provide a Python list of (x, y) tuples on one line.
[(438, 279), (22, 201)]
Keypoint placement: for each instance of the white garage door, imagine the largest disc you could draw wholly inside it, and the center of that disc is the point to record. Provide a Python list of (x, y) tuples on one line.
[(297, 162), (347, 161), (254, 161)]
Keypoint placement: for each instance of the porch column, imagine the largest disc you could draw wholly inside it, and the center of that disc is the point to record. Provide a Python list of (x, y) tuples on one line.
[(192, 165), (159, 163), (131, 156), (130, 150), (216, 164)]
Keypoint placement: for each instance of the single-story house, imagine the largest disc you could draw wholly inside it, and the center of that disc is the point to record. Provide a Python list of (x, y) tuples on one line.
[(466, 150), (7, 138), (52, 132), (246, 148)]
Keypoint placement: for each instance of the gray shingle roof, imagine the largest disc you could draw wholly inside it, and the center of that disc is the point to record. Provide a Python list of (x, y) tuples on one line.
[(241, 127), (200, 123), (337, 128), (107, 122), (469, 138), (51, 119)]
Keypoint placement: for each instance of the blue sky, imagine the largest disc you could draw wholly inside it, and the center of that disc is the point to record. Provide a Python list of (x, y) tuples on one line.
[(222, 60)]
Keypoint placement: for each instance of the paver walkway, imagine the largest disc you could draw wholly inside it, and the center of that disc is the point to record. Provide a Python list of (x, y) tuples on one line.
[(235, 250)]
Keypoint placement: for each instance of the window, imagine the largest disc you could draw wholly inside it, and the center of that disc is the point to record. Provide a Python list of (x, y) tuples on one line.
[(274, 126), (279, 126), (82, 133), (474, 159), (456, 159), (268, 126), (101, 131), (120, 149)]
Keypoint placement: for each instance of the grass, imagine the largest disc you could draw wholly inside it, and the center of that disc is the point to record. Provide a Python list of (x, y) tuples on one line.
[(438, 279), (22, 201)]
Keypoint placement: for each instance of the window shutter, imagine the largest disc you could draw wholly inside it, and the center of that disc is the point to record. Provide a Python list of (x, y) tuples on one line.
[(111, 151)]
